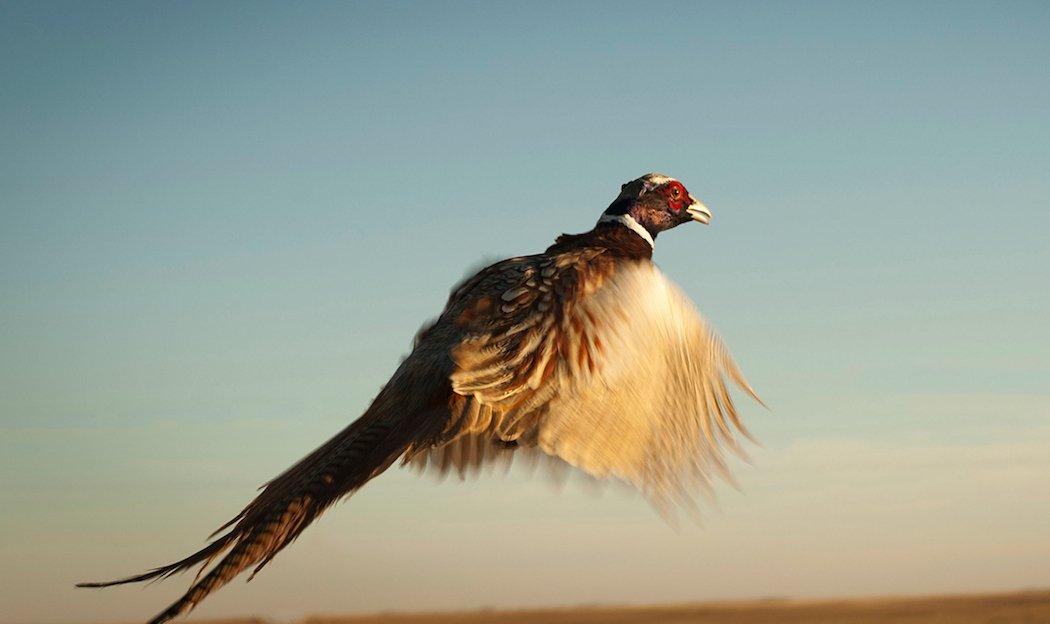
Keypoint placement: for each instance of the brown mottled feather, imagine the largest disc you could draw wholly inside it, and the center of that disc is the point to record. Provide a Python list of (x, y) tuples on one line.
[(595, 359)]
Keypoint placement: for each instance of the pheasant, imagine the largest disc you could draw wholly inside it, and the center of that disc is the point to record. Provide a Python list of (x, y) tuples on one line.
[(585, 354)]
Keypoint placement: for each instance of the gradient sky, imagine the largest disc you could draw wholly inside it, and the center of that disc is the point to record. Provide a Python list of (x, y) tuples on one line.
[(222, 223)]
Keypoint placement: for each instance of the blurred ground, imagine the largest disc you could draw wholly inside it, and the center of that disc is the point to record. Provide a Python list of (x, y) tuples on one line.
[(1031, 607)]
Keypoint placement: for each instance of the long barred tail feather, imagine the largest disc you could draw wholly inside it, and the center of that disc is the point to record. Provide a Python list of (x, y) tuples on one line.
[(285, 506), (202, 556)]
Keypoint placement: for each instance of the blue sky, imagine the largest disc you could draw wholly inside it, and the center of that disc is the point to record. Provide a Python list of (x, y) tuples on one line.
[(221, 225)]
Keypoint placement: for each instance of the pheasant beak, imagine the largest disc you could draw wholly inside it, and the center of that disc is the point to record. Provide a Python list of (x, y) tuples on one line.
[(698, 212)]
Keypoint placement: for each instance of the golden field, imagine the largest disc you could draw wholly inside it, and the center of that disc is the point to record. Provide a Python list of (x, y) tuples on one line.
[(1030, 607)]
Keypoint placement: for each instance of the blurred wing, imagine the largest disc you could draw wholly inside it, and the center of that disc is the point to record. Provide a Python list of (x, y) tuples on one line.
[(657, 413), (615, 373)]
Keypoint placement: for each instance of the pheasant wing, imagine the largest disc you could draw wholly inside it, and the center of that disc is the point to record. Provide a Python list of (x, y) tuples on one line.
[(604, 364)]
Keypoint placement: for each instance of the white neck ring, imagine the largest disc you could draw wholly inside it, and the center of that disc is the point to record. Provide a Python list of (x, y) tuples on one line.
[(629, 222)]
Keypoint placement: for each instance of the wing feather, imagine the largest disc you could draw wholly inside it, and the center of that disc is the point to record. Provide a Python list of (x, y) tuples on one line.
[(606, 366)]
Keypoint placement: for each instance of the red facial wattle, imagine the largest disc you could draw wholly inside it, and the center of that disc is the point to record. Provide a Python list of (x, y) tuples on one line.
[(677, 196)]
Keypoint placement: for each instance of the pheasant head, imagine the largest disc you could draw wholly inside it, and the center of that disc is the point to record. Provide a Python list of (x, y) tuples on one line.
[(655, 202)]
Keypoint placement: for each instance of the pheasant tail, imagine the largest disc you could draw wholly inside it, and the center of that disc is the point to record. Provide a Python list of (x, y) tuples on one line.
[(285, 506)]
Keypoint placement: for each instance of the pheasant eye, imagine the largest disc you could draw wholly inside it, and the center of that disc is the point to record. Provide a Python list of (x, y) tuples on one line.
[(676, 192)]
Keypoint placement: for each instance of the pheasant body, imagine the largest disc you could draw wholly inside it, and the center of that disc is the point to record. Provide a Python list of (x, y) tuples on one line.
[(585, 354)]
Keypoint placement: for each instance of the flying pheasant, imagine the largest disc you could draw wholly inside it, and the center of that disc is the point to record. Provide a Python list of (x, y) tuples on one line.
[(585, 353)]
